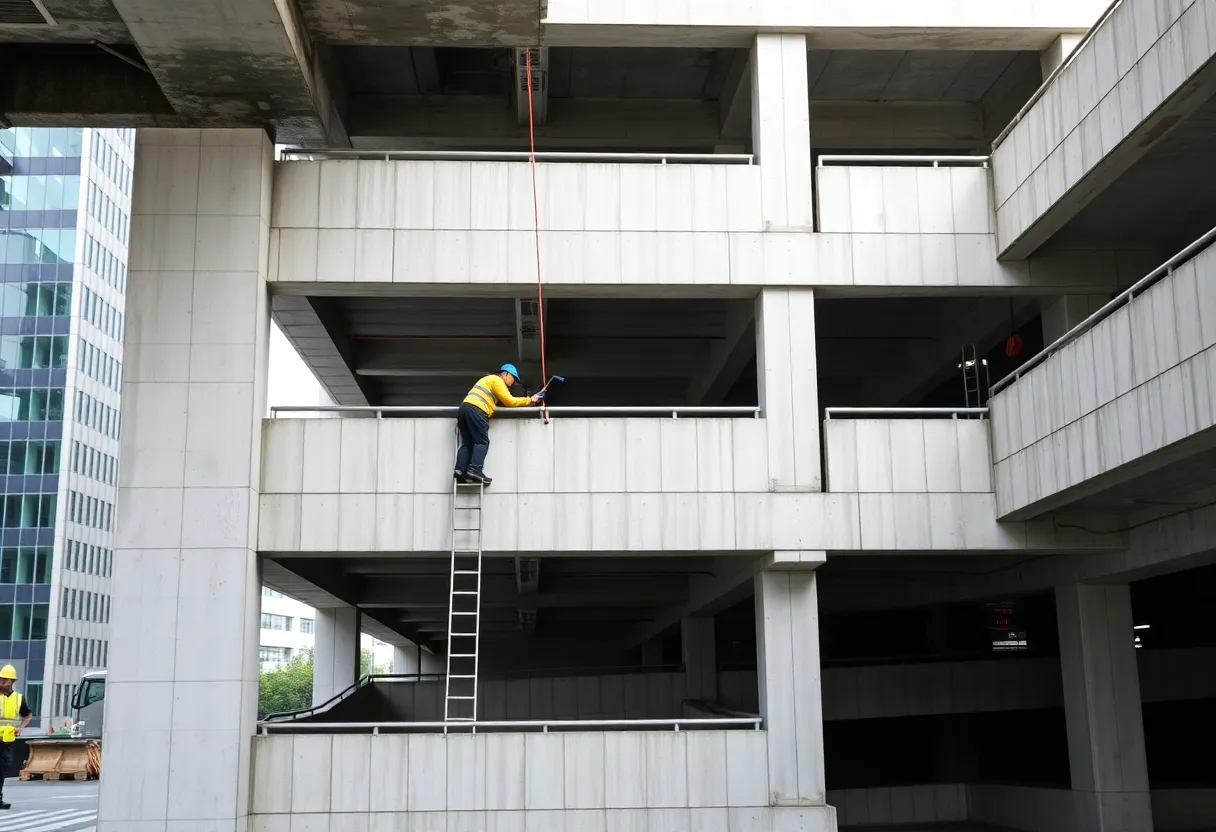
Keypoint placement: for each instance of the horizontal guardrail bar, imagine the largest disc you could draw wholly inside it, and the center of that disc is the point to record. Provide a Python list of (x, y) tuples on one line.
[(1064, 64), (311, 154), (522, 411), (1105, 312), (829, 412), (542, 724), (872, 159)]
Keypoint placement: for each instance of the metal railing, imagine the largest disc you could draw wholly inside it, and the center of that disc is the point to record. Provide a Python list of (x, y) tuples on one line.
[(954, 412), (447, 410), (304, 713), (315, 154), (542, 725), (1124, 297), (880, 159), (1064, 64)]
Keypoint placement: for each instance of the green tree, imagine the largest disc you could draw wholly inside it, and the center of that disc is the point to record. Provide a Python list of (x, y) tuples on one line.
[(287, 687), (367, 668)]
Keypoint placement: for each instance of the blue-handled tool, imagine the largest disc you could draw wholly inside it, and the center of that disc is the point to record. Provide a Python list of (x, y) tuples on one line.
[(550, 381)]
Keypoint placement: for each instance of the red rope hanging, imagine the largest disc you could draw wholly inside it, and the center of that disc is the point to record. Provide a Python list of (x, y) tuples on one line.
[(540, 291)]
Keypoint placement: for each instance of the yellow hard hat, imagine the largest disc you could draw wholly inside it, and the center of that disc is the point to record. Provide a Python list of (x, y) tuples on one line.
[(8, 672)]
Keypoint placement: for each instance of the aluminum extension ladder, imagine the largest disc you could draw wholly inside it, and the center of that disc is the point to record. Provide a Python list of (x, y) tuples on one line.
[(464, 606)]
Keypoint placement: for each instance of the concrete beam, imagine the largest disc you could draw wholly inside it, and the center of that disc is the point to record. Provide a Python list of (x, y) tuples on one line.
[(735, 103), (590, 357), (304, 329), (896, 125), (728, 357), (225, 64), (470, 122), (984, 324), (82, 88), (707, 595), (498, 591)]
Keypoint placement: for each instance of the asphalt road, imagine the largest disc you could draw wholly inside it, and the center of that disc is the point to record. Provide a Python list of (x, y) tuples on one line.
[(49, 807)]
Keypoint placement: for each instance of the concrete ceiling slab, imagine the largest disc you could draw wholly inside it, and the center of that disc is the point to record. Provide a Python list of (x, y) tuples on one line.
[(1156, 204), (426, 22)]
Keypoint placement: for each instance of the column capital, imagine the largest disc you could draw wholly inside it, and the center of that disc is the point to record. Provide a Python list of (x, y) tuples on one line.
[(803, 560)]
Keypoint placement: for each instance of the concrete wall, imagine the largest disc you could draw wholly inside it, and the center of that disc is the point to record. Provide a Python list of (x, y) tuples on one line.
[(937, 803), (606, 696), (873, 692), (1058, 810), (1019, 24), (348, 223), (1138, 59), (925, 226), (918, 456), (1135, 383), (707, 781), (691, 485)]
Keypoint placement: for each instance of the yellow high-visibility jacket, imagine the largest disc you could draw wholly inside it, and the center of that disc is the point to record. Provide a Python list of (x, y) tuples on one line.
[(491, 391), (10, 717)]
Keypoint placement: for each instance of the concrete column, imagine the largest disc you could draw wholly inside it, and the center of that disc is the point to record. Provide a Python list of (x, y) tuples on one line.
[(1102, 709), (406, 660), (781, 129), (183, 674), (1063, 313), (787, 635), (700, 658), (789, 387), (433, 664), (335, 658), (1058, 53)]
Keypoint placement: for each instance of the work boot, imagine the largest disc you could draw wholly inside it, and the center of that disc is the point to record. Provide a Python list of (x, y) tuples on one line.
[(460, 476), (479, 478), (4, 805)]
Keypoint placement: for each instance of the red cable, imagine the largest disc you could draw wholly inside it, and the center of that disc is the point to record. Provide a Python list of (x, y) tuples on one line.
[(540, 292)]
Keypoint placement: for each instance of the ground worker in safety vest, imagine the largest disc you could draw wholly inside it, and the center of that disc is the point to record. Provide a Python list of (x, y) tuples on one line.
[(14, 716), (473, 420)]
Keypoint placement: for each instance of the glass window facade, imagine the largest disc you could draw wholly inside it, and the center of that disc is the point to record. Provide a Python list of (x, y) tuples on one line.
[(64, 221)]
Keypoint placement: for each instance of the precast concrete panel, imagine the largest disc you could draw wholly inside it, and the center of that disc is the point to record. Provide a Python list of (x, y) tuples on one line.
[(693, 226), (186, 570), (1134, 384), (891, 24), (1127, 80), (640, 500)]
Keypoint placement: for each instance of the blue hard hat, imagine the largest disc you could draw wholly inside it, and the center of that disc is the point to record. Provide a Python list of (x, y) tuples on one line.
[(509, 368)]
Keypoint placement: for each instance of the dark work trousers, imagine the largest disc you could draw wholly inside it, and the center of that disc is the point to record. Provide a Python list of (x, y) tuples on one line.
[(474, 427), (6, 760)]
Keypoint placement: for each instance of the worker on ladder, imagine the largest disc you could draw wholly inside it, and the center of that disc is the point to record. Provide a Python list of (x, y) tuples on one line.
[(473, 420), (14, 716)]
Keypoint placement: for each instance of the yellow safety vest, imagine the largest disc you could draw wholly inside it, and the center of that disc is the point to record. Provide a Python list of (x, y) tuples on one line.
[(10, 716)]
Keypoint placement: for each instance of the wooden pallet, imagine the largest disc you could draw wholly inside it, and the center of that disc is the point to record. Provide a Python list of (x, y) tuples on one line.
[(26, 774), (62, 759)]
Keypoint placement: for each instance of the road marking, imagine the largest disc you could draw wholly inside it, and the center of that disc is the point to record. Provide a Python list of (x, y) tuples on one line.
[(44, 821)]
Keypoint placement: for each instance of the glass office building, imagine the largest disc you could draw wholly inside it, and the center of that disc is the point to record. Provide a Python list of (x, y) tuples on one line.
[(65, 198)]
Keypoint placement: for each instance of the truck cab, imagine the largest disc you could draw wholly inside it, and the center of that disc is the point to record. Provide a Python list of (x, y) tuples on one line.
[(89, 706)]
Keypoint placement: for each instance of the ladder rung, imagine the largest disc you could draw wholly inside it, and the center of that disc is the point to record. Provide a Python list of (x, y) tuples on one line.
[(465, 592), (462, 655), (462, 719), (466, 572), (462, 697), (462, 635), (462, 612), (460, 676)]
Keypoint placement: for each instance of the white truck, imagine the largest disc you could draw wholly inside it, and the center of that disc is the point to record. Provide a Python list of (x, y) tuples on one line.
[(89, 706)]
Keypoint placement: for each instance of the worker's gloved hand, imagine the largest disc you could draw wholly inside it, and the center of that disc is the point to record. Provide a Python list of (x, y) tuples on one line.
[(538, 396)]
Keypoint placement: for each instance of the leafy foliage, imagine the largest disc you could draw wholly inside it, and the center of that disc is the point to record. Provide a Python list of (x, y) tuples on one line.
[(286, 687)]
